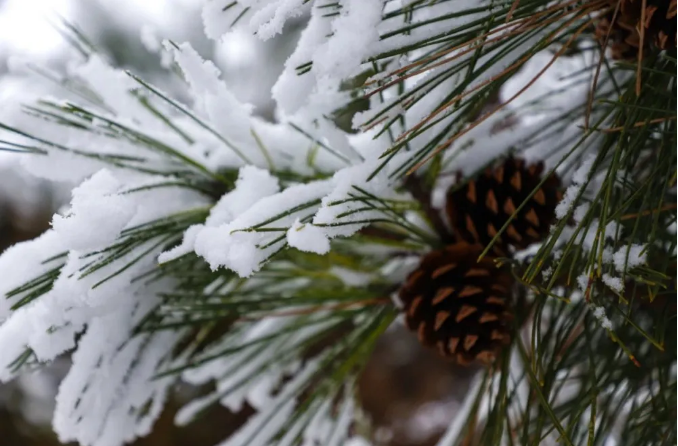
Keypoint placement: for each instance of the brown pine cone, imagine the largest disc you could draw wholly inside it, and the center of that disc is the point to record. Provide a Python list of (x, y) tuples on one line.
[(459, 305), (478, 209), (658, 21)]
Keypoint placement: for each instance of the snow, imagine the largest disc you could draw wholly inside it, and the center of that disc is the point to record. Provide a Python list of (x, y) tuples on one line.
[(214, 20), (235, 245), (578, 180), (354, 33), (581, 175), (97, 213), (580, 212), (329, 208), (345, 184), (213, 100), (110, 84), (615, 283), (629, 257), (599, 313), (583, 281), (266, 18), (307, 237), (109, 384), (252, 185), (270, 19), (111, 381), (24, 262), (150, 40), (564, 82), (547, 272), (291, 91)]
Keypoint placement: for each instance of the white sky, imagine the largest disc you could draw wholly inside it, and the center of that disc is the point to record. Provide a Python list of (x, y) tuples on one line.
[(25, 24), (25, 29)]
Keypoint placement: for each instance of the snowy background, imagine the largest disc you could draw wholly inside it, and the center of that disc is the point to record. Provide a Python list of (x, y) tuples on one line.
[(411, 408)]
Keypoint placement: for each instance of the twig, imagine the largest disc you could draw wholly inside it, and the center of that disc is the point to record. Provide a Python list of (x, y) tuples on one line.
[(666, 207), (461, 96), (514, 6), (518, 28), (638, 124), (449, 142), (639, 69), (594, 84)]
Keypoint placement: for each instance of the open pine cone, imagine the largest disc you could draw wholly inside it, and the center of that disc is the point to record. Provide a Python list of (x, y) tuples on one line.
[(459, 305), (657, 20), (479, 208)]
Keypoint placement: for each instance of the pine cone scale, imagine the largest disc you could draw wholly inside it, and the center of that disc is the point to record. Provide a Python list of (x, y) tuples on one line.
[(532, 218), (464, 312), (477, 273), (469, 342), (414, 305), (491, 202), (516, 181), (488, 317), (443, 270), (442, 294), (441, 317), (470, 291), (471, 194)]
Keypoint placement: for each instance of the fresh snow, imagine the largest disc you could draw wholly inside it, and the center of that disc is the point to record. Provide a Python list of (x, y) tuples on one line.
[(599, 313), (578, 180), (309, 238), (629, 257), (615, 283), (97, 214)]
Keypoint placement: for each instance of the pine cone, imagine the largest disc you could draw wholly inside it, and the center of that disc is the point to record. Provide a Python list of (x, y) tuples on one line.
[(481, 207), (458, 304), (658, 21)]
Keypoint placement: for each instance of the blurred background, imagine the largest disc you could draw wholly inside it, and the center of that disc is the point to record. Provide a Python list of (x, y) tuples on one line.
[(408, 393)]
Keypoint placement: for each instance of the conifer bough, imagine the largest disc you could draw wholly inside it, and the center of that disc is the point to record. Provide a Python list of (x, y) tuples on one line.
[(205, 245)]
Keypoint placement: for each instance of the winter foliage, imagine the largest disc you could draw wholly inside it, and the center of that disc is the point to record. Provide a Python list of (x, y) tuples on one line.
[(204, 244)]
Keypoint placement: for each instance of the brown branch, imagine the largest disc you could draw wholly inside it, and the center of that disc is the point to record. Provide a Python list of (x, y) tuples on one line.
[(640, 49), (666, 207), (461, 96), (594, 84), (638, 124), (514, 6), (449, 142), (519, 27)]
